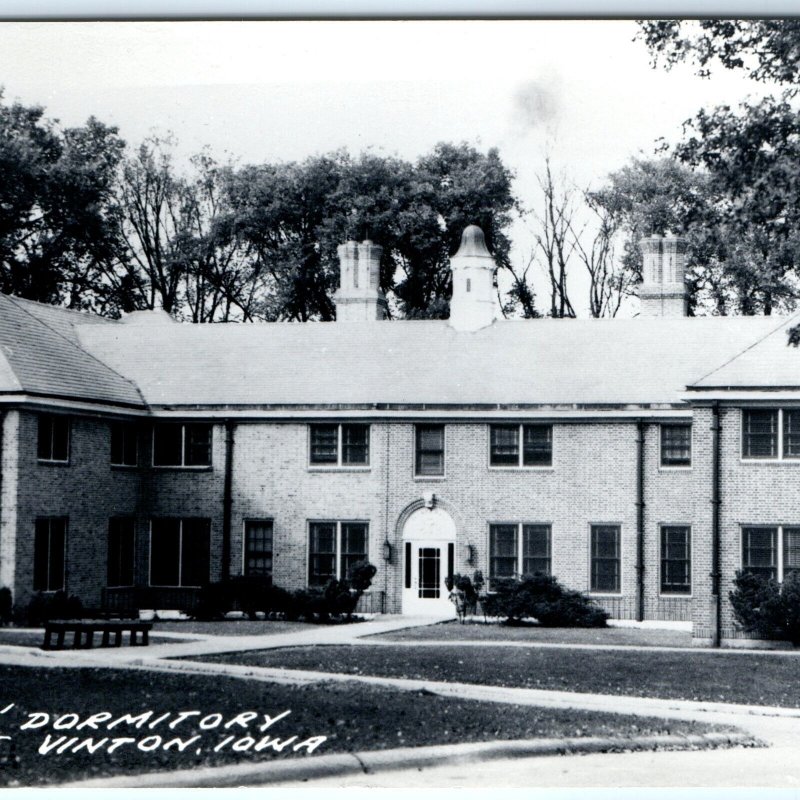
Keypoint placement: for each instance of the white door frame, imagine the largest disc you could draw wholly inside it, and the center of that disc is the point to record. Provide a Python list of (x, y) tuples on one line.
[(431, 530)]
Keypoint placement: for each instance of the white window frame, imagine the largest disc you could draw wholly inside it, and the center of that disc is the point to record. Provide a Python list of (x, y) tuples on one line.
[(778, 544), (780, 457), (520, 447), (133, 426), (672, 595), (261, 521), (339, 466), (183, 464), (597, 592), (337, 556), (178, 585), (519, 556), (673, 467), (420, 476), (68, 421)]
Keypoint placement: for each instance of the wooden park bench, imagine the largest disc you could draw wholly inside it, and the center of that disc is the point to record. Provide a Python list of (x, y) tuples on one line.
[(83, 631)]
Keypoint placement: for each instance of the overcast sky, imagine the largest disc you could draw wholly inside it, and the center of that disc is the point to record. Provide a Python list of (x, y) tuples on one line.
[(582, 90)]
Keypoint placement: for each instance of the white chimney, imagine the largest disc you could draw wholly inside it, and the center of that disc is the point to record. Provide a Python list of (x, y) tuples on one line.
[(359, 297), (473, 303), (663, 289)]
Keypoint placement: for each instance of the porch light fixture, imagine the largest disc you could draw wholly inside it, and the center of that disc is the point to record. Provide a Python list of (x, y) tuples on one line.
[(469, 554), (387, 551)]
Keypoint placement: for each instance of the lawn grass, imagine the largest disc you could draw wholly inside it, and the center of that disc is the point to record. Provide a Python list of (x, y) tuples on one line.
[(481, 631), (352, 719), (752, 678), (231, 627)]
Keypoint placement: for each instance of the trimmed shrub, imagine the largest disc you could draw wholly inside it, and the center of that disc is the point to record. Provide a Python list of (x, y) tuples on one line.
[(338, 598), (249, 594), (543, 598), (767, 608)]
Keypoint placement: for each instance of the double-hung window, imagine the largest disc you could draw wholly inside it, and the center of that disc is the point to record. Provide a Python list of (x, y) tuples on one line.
[(605, 566), (121, 551), (53, 439), (676, 445), (771, 550), (771, 434), (180, 552), (258, 547), (676, 559), (520, 445), (339, 445), (429, 451), (49, 554), (124, 444), (177, 444), (518, 549), (334, 548)]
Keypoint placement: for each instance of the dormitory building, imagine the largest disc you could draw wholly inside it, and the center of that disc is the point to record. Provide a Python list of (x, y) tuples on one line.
[(643, 461)]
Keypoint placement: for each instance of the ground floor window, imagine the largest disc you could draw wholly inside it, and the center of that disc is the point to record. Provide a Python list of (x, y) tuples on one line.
[(676, 563), (605, 559), (258, 547), (180, 552), (121, 551), (334, 548), (771, 550), (49, 554), (518, 549)]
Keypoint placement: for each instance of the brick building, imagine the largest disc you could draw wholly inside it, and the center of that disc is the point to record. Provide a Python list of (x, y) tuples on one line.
[(641, 460)]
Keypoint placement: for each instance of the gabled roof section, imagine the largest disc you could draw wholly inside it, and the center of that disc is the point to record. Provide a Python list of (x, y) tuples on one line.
[(545, 362), (40, 354), (768, 363)]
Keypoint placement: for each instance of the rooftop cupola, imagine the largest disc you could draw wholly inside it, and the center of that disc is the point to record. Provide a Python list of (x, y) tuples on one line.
[(473, 303), (359, 297), (663, 289)]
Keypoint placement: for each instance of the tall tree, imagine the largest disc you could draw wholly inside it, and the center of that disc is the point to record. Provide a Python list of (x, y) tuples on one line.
[(55, 190)]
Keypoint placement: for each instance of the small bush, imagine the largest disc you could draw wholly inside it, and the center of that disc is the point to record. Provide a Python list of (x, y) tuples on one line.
[(767, 608), (241, 593), (44, 607), (543, 598), (338, 598), (470, 586)]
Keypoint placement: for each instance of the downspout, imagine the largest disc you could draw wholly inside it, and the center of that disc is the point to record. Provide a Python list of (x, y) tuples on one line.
[(227, 500), (640, 516), (386, 564), (716, 503), (2, 435)]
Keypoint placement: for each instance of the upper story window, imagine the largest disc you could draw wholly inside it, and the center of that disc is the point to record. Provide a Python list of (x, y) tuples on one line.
[(429, 450), (676, 445), (53, 440), (345, 445), (521, 445), (771, 433), (181, 445), (124, 444)]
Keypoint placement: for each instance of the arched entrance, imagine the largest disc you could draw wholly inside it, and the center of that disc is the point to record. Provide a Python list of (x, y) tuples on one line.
[(429, 536)]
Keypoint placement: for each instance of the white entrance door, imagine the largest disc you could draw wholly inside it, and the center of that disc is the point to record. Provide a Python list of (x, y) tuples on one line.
[(428, 559)]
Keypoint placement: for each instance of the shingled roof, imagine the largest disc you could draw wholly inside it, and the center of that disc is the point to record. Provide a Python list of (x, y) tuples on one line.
[(547, 362), (768, 362), (40, 354)]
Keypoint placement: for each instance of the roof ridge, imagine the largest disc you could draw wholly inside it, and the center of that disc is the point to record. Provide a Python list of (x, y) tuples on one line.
[(76, 344), (784, 321), (60, 309)]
